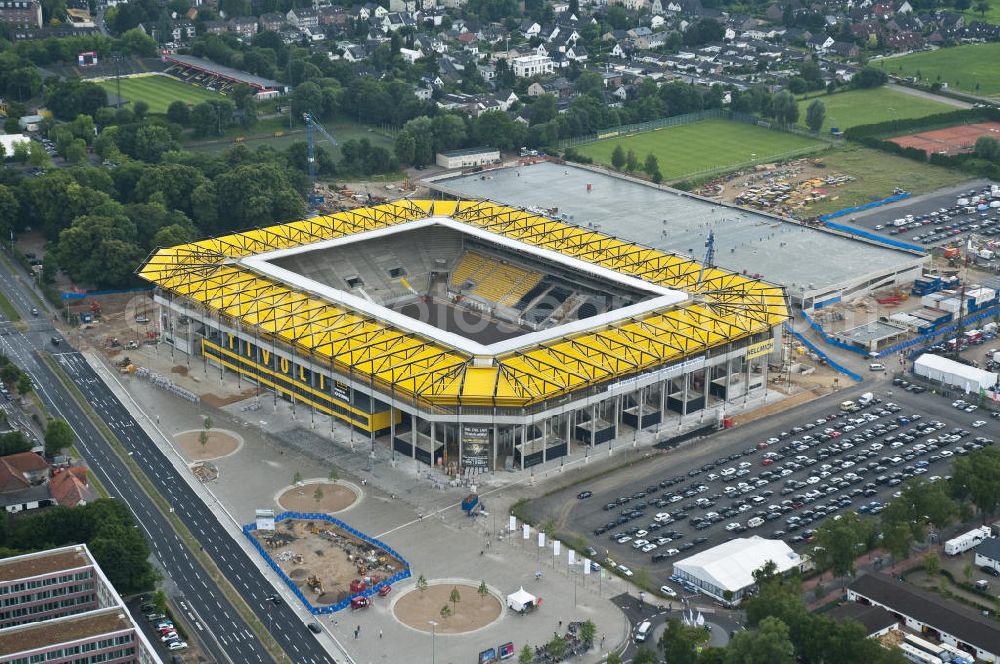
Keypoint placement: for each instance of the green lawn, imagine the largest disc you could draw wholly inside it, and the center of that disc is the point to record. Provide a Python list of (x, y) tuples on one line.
[(158, 91), (861, 107), (692, 148), (961, 67), (877, 175)]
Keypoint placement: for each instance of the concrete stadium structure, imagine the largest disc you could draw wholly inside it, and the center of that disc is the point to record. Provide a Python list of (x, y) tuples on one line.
[(475, 335)]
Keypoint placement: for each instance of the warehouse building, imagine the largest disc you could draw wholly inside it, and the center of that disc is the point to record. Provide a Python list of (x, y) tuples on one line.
[(468, 158)]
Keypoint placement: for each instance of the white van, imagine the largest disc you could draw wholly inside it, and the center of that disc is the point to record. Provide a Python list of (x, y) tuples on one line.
[(876, 366), (643, 632), (755, 522)]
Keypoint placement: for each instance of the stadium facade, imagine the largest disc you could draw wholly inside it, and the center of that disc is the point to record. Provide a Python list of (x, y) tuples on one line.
[(476, 336)]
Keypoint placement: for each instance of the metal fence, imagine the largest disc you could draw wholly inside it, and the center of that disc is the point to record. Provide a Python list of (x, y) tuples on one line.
[(346, 602), (677, 120), (811, 346)]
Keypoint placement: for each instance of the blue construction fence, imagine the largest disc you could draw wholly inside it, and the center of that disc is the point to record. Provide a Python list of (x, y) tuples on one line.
[(314, 516), (866, 206), (875, 237), (928, 337), (80, 296), (830, 340), (842, 369)]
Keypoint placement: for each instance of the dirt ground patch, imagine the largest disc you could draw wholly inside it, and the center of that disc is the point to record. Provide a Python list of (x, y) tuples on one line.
[(215, 401), (952, 140), (323, 560), (416, 607), (332, 498), (219, 444)]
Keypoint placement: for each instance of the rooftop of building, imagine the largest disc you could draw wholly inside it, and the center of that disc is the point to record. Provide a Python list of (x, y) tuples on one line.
[(873, 618), (44, 562), (36, 635), (798, 257), (963, 623), (483, 149)]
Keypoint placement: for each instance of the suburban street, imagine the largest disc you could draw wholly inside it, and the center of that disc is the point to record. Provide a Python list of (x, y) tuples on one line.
[(221, 628)]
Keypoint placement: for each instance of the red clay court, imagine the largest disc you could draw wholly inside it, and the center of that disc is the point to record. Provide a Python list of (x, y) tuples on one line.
[(953, 140)]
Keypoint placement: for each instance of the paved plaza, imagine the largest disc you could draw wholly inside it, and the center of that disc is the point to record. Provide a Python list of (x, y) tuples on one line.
[(411, 507)]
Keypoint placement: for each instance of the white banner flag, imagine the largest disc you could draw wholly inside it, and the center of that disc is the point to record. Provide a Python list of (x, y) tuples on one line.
[(527, 531), (513, 523), (556, 547), (572, 556), (541, 539), (586, 565)]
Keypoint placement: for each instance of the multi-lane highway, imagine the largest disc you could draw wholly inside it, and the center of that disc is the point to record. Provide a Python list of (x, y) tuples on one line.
[(225, 633)]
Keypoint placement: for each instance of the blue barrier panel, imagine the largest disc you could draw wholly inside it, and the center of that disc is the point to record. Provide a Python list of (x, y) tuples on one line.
[(830, 340), (866, 206), (842, 369), (343, 604), (80, 296), (875, 238)]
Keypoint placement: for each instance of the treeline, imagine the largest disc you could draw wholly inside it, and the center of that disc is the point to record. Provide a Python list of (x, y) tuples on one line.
[(65, 49), (105, 526)]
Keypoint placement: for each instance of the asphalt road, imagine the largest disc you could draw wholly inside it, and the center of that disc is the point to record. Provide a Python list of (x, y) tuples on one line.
[(578, 517), (225, 633)]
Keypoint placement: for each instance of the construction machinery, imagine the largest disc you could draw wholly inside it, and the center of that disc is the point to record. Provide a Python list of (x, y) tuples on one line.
[(315, 584), (316, 199)]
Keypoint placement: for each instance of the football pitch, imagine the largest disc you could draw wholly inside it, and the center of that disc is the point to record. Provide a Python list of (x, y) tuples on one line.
[(861, 107), (971, 68), (158, 91), (698, 147)]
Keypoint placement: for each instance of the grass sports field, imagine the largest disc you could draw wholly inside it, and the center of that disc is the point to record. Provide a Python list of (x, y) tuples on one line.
[(688, 149), (962, 67), (158, 91), (861, 107)]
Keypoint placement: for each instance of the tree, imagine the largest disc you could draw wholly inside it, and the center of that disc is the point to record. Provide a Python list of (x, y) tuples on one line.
[(897, 540), (14, 442), (588, 630), (644, 655), (527, 655), (206, 427), (333, 475), (679, 642), (651, 165), (982, 7), (37, 156), (556, 647), (9, 212), (179, 113), (76, 151), (483, 590), (455, 597), (445, 611), (968, 571), (815, 115), (297, 478), (631, 161), (784, 108), (405, 147), (988, 148), (58, 436), (160, 601), (839, 541), (869, 77), (614, 658), (318, 494), (931, 564), (421, 583), (618, 158), (99, 250), (24, 384), (770, 643)]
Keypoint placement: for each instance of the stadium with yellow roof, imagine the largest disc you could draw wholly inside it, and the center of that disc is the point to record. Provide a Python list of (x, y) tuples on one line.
[(472, 334)]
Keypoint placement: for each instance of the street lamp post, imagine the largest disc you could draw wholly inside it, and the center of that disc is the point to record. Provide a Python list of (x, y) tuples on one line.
[(433, 624)]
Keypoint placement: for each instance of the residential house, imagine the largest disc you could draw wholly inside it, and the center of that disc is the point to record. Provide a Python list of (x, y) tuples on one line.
[(244, 25), (21, 13), (70, 487), (272, 21), (820, 43), (527, 66), (411, 55), (215, 27), (423, 94), (402, 5), (530, 28), (303, 17)]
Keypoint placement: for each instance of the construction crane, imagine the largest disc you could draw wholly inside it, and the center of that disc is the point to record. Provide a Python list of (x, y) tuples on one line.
[(312, 126), (709, 255)]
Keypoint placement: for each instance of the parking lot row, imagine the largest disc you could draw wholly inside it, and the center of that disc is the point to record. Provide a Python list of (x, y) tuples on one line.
[(813, 471)]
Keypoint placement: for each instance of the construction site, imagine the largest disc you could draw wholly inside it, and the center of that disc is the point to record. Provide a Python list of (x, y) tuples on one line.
[(327, 563)]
